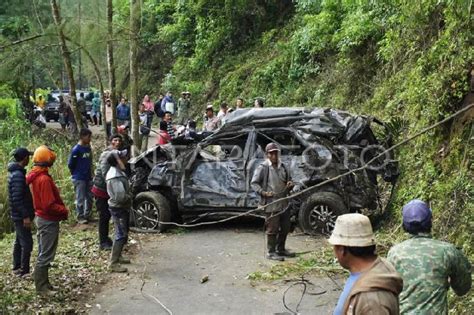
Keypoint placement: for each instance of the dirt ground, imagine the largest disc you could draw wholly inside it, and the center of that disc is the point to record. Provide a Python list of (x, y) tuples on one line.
[(171, 268)]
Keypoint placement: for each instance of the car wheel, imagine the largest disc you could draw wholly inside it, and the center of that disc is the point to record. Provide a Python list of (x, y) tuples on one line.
[(150, 209), (319, 212)]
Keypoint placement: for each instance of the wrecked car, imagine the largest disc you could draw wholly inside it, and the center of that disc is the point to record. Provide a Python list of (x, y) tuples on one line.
[(212, 176)]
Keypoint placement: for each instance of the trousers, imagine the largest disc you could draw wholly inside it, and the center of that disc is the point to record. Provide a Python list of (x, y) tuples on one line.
[(22, 248), (48, 236), (83, 201)]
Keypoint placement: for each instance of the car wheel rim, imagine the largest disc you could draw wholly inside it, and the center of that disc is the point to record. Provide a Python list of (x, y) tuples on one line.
[(147, 216), (322, 219)]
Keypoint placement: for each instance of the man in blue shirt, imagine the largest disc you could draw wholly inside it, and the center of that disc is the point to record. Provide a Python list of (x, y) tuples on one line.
[(373, 285), (80, 165), (123, 112)]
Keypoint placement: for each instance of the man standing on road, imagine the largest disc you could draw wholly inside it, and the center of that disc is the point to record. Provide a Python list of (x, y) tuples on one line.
[(63, 113), (81, 107), (428, 267), (80, 165), (22, 212), (123, 112), (373, 285), (184, 104), (272, 181), (168, 103), (49, 210), (120, 202), (99, 190), (145, 127)]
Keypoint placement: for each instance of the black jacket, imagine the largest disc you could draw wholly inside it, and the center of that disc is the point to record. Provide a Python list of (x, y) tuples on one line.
[(19, 195)]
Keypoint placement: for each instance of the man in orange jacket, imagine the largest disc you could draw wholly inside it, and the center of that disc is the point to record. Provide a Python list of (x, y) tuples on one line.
[(49, 210)]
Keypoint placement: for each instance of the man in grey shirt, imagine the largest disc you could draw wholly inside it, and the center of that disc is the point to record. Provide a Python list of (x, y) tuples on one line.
[(272, 181)]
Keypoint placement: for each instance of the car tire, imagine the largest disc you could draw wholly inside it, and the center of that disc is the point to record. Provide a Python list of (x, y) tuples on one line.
[(151, 208), (319, 212)]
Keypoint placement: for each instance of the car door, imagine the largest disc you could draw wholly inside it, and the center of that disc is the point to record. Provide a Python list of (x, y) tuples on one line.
[(291, 154), (217, 176)]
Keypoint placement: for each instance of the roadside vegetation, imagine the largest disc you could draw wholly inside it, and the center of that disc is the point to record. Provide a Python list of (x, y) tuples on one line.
[(79, 268), (407, 63)]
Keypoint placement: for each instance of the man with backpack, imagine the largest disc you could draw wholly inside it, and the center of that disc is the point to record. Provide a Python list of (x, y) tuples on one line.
[(99, 190), (272, 181)]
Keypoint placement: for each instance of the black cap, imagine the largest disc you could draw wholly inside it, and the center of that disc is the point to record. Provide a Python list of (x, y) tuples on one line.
[(21, 153)]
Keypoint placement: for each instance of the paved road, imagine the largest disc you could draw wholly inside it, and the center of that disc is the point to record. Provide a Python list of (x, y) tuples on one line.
[(176, 263)]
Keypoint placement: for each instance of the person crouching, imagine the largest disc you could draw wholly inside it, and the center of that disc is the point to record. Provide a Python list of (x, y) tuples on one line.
[(119, 202)]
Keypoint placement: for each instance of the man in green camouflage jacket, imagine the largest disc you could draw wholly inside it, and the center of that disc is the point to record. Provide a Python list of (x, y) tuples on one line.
[(428, 267)]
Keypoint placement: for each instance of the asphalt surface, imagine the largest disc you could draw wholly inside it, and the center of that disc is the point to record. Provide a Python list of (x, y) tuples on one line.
[(205, 271), (172, 267)]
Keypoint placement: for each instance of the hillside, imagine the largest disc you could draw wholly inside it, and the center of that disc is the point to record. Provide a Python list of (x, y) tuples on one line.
[(409, 64)]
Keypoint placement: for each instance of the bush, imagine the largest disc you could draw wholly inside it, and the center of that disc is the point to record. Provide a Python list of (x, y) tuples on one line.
[(15, 133), (8, 108)]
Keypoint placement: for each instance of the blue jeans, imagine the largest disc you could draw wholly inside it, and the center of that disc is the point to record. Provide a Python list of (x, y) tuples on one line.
[(83, 201), (22, 248), (121, 223)]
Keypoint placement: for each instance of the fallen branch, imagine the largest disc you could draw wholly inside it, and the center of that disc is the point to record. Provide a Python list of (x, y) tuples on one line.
[(21, 41)]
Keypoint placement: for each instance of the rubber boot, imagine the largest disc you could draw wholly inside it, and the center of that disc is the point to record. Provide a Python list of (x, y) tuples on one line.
[(280, 249), (124, 260), (50, 286), (40, 277), (115, 256), (271, 244)]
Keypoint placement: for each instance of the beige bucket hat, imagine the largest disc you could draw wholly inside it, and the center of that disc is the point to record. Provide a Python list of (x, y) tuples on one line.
[(352, 229)]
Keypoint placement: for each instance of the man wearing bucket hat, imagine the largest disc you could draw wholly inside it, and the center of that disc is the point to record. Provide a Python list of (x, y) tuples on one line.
[(373, 285), (272, 181), (184, 104), (428, 267), (49, 210)]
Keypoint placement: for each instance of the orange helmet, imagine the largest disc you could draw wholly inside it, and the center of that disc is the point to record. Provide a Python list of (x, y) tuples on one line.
[(44, 156)]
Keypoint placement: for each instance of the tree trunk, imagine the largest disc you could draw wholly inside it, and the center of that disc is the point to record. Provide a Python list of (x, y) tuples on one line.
[(99, 81), (134, 29), (67, 63), (79, 59), (111, 66)]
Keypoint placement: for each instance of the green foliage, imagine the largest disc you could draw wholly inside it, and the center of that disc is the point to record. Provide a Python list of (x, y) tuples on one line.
[(14, 133), (8, 108), (406, 63), (320, 261)]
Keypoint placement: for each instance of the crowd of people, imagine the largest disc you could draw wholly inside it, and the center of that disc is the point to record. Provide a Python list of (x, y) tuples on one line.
[(35, 197), (413, 279)]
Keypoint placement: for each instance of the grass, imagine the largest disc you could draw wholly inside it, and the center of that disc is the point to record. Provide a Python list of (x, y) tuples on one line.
[(322, 262), (316, 262), (78, 268)]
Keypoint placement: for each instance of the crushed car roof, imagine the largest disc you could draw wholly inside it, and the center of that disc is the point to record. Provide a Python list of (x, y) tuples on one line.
[(339, 126)]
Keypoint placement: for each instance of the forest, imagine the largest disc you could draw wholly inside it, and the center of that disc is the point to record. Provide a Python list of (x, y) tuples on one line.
[(408, 63)]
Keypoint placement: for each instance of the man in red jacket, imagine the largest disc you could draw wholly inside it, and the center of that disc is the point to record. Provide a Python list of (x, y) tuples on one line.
[(49, 210)]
